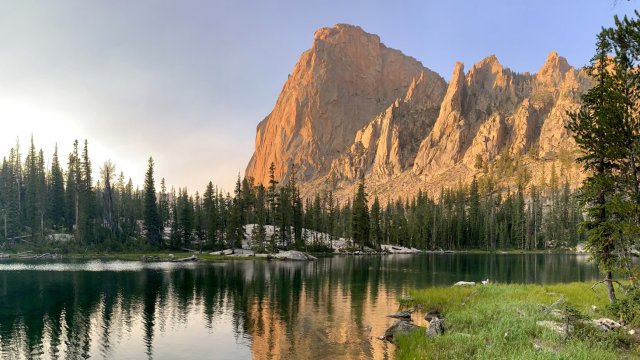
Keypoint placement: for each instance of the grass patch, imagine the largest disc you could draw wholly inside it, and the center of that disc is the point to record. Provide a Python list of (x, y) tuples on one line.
[(499, 322)]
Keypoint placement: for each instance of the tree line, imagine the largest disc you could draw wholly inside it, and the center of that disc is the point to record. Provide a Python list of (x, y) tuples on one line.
[(37, 201)]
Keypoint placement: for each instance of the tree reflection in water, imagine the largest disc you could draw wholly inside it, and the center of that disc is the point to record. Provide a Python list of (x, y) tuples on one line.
[(330, 308)]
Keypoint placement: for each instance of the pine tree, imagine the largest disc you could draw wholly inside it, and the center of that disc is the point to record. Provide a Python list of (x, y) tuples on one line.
[(72, 190), (199, 221), (596, 128), (259, 235), (86, 197), (175, 236), (152, 223), (56, 192), (235, 230), (360, 222), (10, 197), (163, 204), (185, 217), (210, 215), (31, 192), (107, 172), (273, 201), (376, 218)]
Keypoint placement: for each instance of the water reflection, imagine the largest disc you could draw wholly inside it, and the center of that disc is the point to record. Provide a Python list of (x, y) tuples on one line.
[(328, 309)]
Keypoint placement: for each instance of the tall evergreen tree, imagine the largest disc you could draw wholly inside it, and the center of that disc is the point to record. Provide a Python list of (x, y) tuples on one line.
[(596, 127), (360, 222), (152, 222), (107, 172), (376, 218), (56, 192)]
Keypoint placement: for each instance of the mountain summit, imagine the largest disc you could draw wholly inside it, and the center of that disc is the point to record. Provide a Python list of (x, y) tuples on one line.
[(354, 106)]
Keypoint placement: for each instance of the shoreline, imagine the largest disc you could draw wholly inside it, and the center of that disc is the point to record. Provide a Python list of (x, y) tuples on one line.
[(205, 256), (529, 321)]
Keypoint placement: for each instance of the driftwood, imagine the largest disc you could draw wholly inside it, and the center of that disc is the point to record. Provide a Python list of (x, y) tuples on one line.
[(191, 258), (18, 238), (146, 258), (622, 287)]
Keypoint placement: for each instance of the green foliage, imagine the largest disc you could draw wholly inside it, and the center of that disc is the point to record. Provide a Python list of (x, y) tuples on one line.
[(114, 213), (627, 307), (481, 327), (607, 131)]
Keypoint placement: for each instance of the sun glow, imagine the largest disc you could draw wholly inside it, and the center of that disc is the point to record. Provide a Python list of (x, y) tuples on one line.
[(20, 120)]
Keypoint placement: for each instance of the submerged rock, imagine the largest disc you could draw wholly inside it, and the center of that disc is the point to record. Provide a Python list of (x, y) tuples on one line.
[(402, 315)]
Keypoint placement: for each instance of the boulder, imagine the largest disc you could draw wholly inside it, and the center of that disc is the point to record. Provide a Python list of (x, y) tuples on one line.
[(435, 328), (465, 283), (436, 323), (399, 327), (560, 328), (606, 324), (60, 237), (293, 255)]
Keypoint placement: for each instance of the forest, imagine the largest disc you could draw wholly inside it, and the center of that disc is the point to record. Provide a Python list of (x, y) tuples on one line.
[(109, 213)]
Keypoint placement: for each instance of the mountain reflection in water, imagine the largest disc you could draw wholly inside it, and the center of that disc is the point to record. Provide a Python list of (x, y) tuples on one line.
[(331, 308)]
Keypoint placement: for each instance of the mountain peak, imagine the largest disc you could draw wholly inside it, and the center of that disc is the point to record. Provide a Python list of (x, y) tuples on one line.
[(353, 105), (338, 30), (490, 61), (554, 66), (345, 80)]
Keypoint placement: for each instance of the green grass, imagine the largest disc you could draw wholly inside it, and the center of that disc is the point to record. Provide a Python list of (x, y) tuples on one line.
[(499, 322)]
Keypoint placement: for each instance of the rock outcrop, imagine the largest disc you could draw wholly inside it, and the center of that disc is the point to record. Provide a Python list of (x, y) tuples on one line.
[(345, 80), (353, 106)]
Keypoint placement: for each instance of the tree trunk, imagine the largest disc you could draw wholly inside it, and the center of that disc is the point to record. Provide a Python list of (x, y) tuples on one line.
[(610, 290)]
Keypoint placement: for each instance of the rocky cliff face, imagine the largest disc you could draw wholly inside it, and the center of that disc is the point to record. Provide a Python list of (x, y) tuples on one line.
[(345, 80), (353, 106)]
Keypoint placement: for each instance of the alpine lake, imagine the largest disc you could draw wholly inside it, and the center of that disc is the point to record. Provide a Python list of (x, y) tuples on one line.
[(331, 308)]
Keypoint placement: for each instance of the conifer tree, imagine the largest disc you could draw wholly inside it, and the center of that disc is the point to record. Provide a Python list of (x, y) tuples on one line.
[(376, 231), (259, 234), (163, 204), (235, 230), (152, 223), (86, 203), (56, 192), (108, 171), (72, 190), (210, 215), (360, 222), (595, 127)]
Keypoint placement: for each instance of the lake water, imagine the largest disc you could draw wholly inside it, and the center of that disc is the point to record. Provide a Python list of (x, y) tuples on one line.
[(332, 308)]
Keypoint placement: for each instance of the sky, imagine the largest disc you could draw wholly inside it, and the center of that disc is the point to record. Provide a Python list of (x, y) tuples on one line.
[(186, 82)]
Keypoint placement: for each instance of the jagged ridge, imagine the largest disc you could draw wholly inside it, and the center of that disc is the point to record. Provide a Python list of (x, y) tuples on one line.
[(354, 106)]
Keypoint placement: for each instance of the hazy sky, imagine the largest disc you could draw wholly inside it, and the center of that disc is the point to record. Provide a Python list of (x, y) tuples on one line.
[(187, 81)]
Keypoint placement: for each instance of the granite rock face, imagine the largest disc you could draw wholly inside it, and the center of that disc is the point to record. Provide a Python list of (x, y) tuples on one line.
[(353, 106), (339, 86)]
